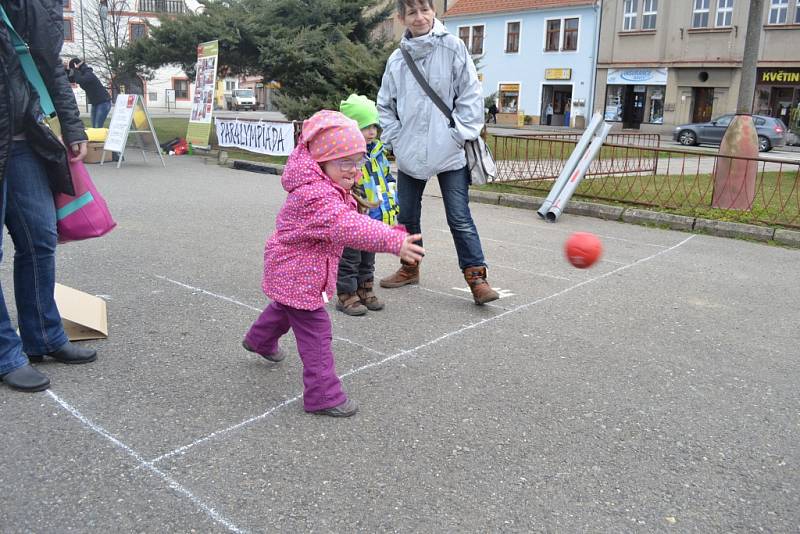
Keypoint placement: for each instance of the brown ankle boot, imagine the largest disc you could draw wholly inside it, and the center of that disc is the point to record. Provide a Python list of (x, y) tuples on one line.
[(367, 297), (481, 291), (350, 304), (408, 273)]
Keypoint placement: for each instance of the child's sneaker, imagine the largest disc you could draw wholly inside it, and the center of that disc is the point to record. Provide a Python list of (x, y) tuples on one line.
[(345, 409), (275, 357), (368, 297), (350, 304)]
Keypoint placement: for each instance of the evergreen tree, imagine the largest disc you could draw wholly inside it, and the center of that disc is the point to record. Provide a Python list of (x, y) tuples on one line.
[(319, 50)]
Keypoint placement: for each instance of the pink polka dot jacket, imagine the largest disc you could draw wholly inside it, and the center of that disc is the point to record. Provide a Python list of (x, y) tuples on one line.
[(316, 222)]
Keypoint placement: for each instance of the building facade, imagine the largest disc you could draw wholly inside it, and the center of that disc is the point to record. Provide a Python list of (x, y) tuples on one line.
[(537, 57), (92, 26), (663, 63)]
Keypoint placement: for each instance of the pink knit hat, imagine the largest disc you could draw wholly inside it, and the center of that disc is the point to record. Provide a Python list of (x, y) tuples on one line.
[(330, 135)]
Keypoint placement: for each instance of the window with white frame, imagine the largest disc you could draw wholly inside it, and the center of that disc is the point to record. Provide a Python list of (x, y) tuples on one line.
[(631, 8), (778, 10), (700, 14), (724, 13), (561, 34), (512, 37), (650, 10), (797, 13), (473, 38)]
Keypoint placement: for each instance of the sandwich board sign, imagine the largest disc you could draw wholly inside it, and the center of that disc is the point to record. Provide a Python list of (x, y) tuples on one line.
[(129, 111)]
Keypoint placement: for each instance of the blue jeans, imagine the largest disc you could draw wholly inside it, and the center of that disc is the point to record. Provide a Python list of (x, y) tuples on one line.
[(99, 113), (455, 194), (29, 213)]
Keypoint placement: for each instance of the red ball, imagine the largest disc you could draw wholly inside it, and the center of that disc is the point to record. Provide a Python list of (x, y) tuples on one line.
[(583, 249)]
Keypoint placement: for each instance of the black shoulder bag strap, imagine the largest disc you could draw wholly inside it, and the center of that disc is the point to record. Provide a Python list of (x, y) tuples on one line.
[(427, 88)]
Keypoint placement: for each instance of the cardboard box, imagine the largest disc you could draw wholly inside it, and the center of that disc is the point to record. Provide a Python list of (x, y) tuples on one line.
[(95, 152), (83, 315)]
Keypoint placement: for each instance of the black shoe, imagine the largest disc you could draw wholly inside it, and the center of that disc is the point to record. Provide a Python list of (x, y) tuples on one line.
[(26, 378), (68, 353), (345, 409)]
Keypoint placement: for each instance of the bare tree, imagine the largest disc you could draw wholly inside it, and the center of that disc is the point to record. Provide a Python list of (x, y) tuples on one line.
[(104, 27)]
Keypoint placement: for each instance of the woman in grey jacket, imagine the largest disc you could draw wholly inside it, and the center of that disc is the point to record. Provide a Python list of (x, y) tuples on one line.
[(423, 141), (33, 165)]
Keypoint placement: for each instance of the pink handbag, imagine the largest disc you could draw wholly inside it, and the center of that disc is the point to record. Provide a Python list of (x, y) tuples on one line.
[(84, 215)]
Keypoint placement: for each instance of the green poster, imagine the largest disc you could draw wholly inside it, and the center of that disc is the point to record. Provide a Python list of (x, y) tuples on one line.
[(205, 83)]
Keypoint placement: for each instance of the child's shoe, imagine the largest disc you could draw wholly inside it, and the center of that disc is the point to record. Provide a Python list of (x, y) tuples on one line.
[(275, 357), (367, 297), (345, 409), (350, 304)]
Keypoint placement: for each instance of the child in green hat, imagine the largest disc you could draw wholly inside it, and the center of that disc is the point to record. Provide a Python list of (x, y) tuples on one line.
[(375, 192)]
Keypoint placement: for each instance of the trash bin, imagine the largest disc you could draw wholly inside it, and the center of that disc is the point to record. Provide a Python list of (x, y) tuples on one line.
[(580, 122)]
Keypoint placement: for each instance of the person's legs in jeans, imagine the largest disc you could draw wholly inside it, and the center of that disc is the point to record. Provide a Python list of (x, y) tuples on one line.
[(347, 277), (270, 326), (409, 199), (93, 114), (11, 355), (366, 267), (312, 329), (99, 120), (455, 194), (31, 221)]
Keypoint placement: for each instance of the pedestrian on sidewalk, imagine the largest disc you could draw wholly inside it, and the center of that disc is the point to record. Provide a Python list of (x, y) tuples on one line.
[(426, 144), (318, 219), (493, 113), (548, 113), (375, 190), (96, 94), (33, 166)]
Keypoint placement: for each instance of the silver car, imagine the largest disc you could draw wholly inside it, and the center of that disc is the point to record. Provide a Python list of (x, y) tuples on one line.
[(771, 132)]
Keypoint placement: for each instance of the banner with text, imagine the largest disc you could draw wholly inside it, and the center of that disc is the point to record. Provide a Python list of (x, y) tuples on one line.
[(263, 137), (203, 99)]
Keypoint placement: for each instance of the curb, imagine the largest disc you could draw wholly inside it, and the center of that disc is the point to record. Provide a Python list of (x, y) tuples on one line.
[(752, 232)]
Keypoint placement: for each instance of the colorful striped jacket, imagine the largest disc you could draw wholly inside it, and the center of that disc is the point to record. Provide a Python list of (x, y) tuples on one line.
[(377, 184)]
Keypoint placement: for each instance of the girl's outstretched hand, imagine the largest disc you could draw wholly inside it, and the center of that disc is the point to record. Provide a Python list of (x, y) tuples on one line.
[(410, 252)]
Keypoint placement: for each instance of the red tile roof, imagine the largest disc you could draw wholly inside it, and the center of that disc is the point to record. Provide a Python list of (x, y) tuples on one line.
[(477, 7)]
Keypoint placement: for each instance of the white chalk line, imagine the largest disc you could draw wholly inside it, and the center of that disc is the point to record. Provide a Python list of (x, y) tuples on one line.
[(171, 482), (259, 310), (468, 299), (183, 449)]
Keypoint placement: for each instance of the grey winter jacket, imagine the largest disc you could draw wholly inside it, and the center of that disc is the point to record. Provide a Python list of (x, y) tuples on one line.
[(413, 127)]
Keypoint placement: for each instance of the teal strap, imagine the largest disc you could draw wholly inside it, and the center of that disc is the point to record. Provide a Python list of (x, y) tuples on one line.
[(29, 67), (75, 205)]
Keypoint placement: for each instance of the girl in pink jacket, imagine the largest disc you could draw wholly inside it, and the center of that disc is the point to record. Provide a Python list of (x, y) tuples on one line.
[(318, 219)]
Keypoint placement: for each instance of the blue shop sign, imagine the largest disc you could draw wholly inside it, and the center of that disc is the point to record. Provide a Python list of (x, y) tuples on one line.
[(637, 77)]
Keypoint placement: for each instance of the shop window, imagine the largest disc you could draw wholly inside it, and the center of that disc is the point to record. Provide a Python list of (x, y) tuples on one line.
[(181, 88), (69, 34), (570, 34), (655, 104), (797, 13), (137, 30), (649, 14), (778, 10), (724, 13), (509, 98), (512, 37), (700, 14), (473, 38), (553, 35), (629, 15), (615, 102)]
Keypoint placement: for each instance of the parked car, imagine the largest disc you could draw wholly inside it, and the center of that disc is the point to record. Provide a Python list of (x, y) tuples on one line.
[(241, 99), (771, 132)]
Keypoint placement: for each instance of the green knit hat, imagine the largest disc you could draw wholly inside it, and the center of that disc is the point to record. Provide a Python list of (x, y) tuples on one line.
[(361, 109)]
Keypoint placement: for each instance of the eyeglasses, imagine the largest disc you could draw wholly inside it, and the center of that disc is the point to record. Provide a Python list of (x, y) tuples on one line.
[(345, 165)]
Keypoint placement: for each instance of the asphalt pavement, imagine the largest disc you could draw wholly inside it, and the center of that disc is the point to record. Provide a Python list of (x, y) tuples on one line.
[(654, 392)]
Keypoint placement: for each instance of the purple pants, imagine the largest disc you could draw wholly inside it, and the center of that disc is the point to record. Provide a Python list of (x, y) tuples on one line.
[(312, 329)]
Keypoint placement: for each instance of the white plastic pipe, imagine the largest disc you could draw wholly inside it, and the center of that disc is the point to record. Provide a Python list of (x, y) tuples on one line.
[(572, 162), (577, 175)]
